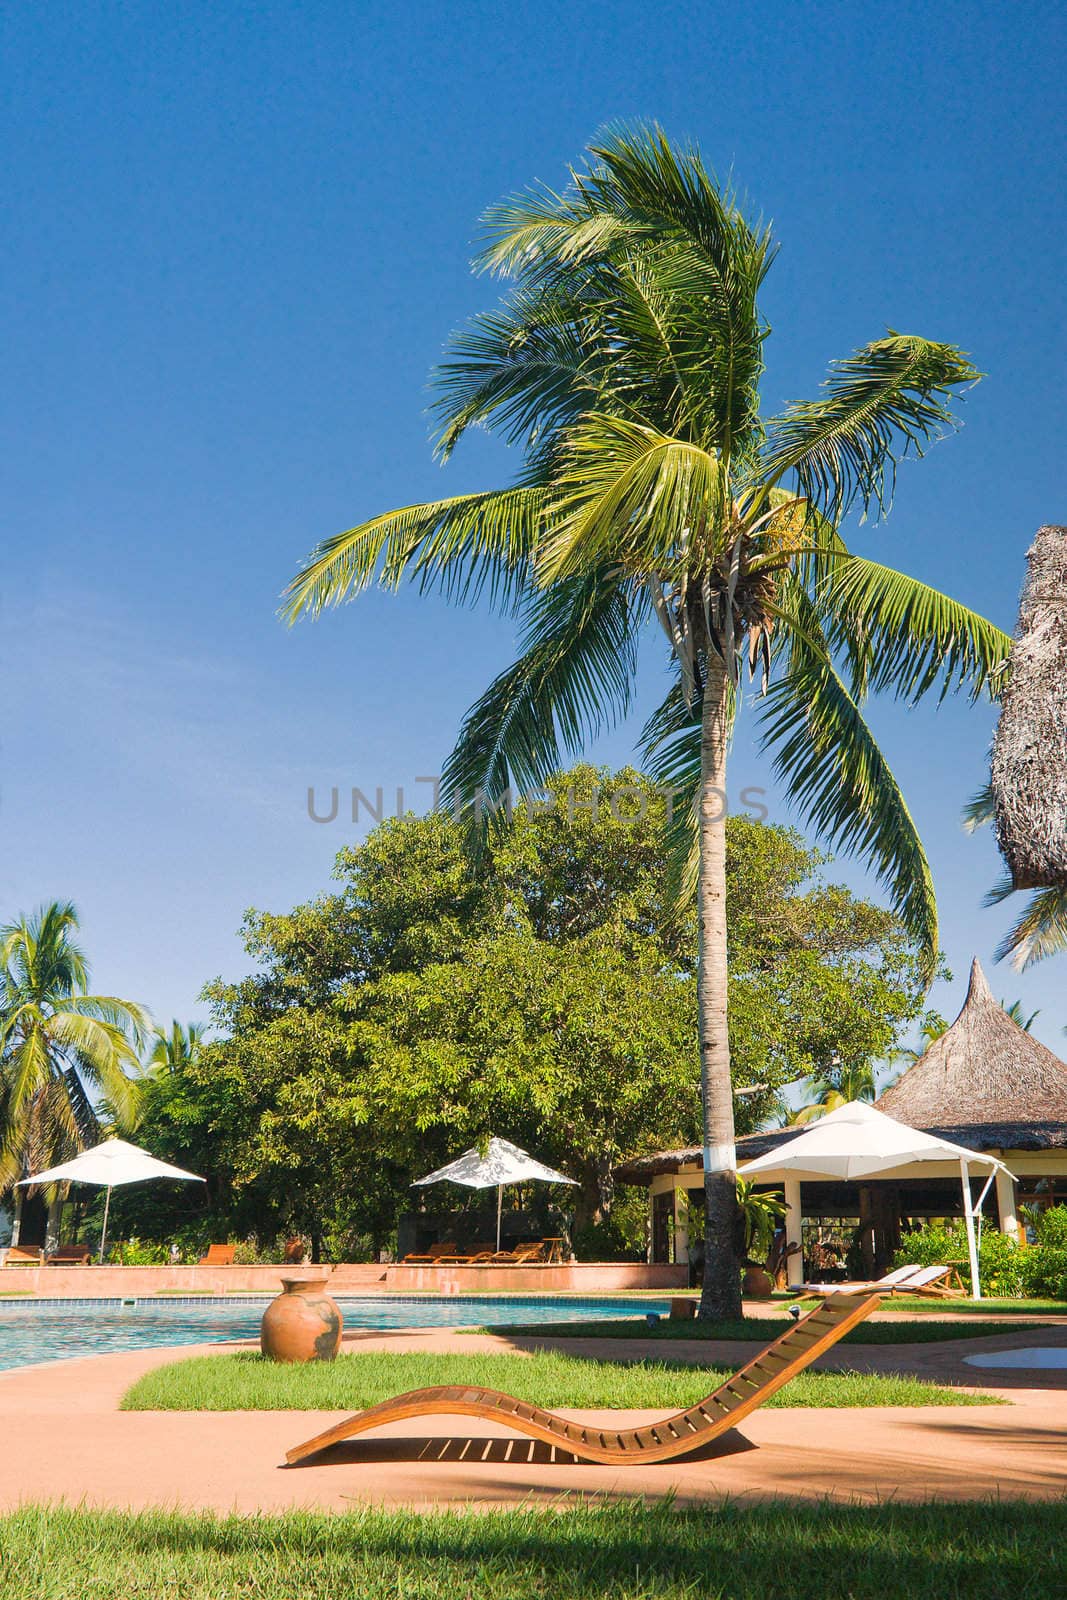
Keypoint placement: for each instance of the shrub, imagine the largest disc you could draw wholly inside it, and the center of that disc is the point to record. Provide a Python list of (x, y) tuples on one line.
[(999, 1258)]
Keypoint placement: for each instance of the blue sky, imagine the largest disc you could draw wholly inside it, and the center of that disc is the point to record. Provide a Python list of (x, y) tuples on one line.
[(236, 238)]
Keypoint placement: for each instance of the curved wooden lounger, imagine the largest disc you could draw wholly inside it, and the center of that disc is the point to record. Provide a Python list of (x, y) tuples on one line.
[(686, 1431)]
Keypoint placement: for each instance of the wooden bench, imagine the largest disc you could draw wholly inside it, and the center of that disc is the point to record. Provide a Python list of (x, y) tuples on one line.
[(69, 1255), (24, 1255)]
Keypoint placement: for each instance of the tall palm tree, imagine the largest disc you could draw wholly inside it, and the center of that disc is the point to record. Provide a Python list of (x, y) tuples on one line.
[(625, 360), (59, 1046)]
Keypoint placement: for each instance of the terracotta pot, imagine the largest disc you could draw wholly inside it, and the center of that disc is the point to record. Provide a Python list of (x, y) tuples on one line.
[(302, 1324), (757, 1284)]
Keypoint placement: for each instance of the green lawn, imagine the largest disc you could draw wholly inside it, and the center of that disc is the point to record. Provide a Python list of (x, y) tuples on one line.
[(979, 1308), (246, 1382), (760, 1330), (625, 1551)]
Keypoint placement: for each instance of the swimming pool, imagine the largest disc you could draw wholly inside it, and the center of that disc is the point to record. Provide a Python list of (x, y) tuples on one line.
[(34, 1331)]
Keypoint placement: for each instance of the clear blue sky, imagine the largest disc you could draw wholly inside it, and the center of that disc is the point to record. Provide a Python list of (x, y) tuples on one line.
[(236, 237)]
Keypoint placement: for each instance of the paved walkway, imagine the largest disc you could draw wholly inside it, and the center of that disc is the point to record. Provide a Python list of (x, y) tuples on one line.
[(64, 1438)]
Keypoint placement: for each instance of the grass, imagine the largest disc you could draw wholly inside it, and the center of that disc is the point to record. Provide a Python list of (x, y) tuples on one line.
[(625, 1551), (979, 1308), (246, 1382), (758, 1329)]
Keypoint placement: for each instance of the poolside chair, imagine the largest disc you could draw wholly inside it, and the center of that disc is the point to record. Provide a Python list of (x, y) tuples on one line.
[(24, 1255), (69, 1255), (678, 1435), (912, 1279), (218, 1255), (523, 1255)]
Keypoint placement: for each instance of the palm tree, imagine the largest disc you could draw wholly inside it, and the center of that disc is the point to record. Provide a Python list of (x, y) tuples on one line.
[(173, 1051), (932, 1029), (59, 1045), (1017, 1012), (625, 360), (852, 1081)]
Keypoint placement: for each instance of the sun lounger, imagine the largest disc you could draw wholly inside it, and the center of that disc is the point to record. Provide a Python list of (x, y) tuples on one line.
[(524, 1255), (940, 1280), (69, 1255), (218, 1255), (678, 1435), (24, 1255)]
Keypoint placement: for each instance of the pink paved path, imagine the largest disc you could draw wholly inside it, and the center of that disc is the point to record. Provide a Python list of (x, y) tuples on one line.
[(64, 1438)]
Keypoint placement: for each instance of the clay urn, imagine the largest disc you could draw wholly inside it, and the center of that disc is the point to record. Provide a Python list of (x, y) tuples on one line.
[(302, 1324)]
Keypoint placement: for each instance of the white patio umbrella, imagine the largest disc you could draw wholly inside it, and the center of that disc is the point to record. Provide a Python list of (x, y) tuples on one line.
[(108, 1166), (502, 1163), (856, 1141)]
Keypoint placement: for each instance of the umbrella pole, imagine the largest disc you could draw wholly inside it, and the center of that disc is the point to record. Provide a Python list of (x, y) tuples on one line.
[(499, 1202), (972, 1246), (103, 1233)]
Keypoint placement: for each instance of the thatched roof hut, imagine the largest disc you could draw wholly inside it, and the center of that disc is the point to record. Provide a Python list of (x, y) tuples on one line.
[(985, 1082), (1029, 769)]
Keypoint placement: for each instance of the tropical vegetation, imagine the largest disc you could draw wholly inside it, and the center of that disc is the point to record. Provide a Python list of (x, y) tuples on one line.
[(543, 991), (625, 362), (62, 1051)]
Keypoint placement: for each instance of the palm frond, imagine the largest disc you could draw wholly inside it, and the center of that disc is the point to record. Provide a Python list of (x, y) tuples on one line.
[(460, 546), (630, 494), (842, 784), (980, 809), (889, 399), (911, 636), (573, 679), (1040, 932)]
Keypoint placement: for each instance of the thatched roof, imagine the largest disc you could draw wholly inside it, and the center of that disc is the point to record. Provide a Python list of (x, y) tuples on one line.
[(985, 1083), (984, 1071), (1029, 768)]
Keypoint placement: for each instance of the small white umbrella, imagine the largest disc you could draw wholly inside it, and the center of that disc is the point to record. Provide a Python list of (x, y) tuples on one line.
[(109, 1165), (502, 1163), (856, 1141)]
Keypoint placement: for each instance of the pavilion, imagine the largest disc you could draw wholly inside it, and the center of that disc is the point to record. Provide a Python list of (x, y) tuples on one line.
[(985, 1084)]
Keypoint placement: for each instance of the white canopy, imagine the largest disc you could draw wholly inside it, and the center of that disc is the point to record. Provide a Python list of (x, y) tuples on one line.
[(502, 1163), (856, 1141), (109, 1165)]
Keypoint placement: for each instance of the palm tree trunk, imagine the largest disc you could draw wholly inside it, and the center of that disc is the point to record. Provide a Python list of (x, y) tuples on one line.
[(16, 1221), (721, 1296)]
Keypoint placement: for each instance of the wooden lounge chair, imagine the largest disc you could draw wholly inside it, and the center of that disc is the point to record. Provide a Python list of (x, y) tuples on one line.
[(218, 1255), (656, 1441), (941, 1281), (427, 1258), (69, 1255), (524, 1255), (24, 1255)]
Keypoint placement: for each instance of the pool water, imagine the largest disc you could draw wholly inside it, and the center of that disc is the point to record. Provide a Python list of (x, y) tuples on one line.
[(33, 1331), (1050, 1356)]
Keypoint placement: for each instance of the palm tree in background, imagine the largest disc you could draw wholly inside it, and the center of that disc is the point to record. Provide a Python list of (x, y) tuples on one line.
[(625, 361), (851, 1081), (172, 1052), (59, 1048)]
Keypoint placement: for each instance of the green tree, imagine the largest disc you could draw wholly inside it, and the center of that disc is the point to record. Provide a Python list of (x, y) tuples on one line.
[(626, 361), (545, 991), (59, 1047)]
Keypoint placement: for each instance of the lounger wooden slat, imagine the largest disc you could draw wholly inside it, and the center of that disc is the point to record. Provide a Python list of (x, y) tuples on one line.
[(676, 1435)]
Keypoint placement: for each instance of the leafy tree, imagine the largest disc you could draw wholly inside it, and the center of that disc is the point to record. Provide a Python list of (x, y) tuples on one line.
[(545, 991), (626, 362), (59, 1047)]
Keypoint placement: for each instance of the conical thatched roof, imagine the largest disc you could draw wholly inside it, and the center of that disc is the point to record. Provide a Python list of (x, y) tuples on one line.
[(1029, 767), (985, 1070)]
